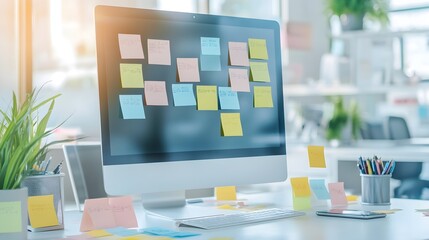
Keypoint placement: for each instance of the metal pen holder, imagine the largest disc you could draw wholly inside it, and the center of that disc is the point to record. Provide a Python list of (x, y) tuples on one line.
[(40, 185), (375, 189)]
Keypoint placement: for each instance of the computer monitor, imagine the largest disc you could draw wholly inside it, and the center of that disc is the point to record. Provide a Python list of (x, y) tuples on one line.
[(188, 101)]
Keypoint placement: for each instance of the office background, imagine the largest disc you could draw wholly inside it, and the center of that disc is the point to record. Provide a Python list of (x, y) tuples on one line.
[(319, 62)]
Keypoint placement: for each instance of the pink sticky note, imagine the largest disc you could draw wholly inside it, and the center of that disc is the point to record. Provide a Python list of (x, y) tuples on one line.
[(97, 214), (155, 93), (238, 54), (130, 46), (239, 79), (123, 210), (338, 196), (159, 51), (188, 69)]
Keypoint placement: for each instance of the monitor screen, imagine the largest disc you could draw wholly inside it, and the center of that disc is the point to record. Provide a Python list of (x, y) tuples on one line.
[(184, 87)]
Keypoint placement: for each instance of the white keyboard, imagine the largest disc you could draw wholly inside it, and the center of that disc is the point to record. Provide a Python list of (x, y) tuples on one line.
[(220, 221)]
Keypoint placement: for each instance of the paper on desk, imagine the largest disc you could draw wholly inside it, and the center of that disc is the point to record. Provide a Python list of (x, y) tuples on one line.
[(130, 46), (259, 72), (262, 97), (238, 54), (316, 156), (10, 220), (155, 93), (338, 196), (187, 69), (159, 51), (41, 211), (207, 97), (258, 48), (239, 79), (226, 193), (300, 187)]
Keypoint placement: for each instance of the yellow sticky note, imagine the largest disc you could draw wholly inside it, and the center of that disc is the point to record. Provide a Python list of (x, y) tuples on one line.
[(301, 203), (300, 187), (259, 72), (226, 207), (258, 48), (10, 220), (352, 198), (41, 211), (227, 193), (262, 97), (207, 98), (316, 156), (231, 124), (99, 233), (131, 75)]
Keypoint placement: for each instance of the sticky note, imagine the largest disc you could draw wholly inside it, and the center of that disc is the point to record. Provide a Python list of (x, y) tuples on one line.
[(130, 46), (258, 48), (210, 46), (123, 211), (259, 72), (98, 233), (132, 106), (227, 193), (41, 211), (226, 207), (228, 99), (155, 93), (131, 75), (183, 95), (318, 187), (231, 125), (187, 69), (10, 220), (262, 97), (352, 198), (300, 187), (159, 52), (338, 196), (238, 54), (207, 98), (97, 214), (157, 231), (239, 79), (301, 203), (210, 63), (316, 156)]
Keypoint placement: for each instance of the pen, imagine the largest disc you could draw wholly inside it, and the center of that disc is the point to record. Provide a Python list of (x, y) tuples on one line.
[(369, 167), (386, 167), (57, 170), (47, 164), (392, 167)]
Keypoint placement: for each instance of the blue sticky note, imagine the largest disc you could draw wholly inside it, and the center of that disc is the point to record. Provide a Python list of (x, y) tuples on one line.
[(132, 106), (123, 232), (210, 63), (228, 98), (183, 95), (167, 232), (210, 46), (319, 189)]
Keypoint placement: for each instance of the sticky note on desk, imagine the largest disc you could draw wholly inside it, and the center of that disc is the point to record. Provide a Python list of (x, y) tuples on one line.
[(316, 156), (210, 46), (262, 97), (123, 211), (319, 189), (258, 48), (155, 93), (231, 125), (41, 211), (227, 193), (259, 72), (228, 99), (157, 231), (98, 233), (207, 98), (183, 95), (130, 46), (338, 195), (10, 220), (187, 69), (238, 54), (301, 203), (132, 106), (300, 187), (239, 79), (131, 75), (159, 52), (97, 214)]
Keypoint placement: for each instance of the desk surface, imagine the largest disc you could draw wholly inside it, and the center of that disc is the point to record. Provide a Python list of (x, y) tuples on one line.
[(405, 224)]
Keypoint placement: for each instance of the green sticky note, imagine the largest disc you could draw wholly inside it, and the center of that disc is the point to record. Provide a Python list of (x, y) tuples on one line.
[(207, 98), (10, 217), (231, 125), (262, 97), (301, 203), (259, 72), (258, 48), (131, 75)]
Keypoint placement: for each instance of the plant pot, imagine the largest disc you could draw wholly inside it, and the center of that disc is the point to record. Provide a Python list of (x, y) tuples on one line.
[(13, 214), (351, 22)]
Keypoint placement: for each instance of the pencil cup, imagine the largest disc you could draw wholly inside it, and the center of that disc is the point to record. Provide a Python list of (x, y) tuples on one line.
[(41, 185), (375, 189)]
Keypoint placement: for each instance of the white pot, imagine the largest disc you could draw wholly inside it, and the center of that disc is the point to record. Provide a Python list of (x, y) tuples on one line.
[(13, 214)]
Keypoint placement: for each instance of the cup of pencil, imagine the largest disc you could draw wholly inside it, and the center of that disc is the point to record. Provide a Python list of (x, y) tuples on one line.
[(375, 179)]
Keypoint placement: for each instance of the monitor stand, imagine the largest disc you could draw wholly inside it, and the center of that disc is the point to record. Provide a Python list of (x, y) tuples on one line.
[(172, 205)]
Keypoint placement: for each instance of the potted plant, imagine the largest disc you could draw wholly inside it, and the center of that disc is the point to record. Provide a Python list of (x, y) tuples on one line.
[(22, 145), (352, 12)]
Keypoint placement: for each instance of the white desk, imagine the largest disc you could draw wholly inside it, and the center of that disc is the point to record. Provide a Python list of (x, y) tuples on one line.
[(405, 224)]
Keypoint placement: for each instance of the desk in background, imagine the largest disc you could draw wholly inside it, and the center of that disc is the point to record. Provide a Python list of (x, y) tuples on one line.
[(405, 224)]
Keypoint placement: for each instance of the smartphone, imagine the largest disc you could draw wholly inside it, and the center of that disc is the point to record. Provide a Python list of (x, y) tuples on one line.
[(347, 213)]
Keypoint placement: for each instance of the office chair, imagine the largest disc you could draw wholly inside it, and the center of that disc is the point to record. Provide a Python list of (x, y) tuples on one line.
[(372, 130), (408, 172)]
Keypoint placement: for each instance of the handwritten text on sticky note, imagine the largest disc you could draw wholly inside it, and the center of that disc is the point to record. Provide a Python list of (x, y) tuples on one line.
[(239, 79), (155, 93), (123, 211), (132, 106), (238, 54), (183, 95), (262, 97), (207, 98), (338, 196), (130, 46), (159, 52), (228, 99), (210, 46), (188, 69), (258, 48), (131, 75)]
